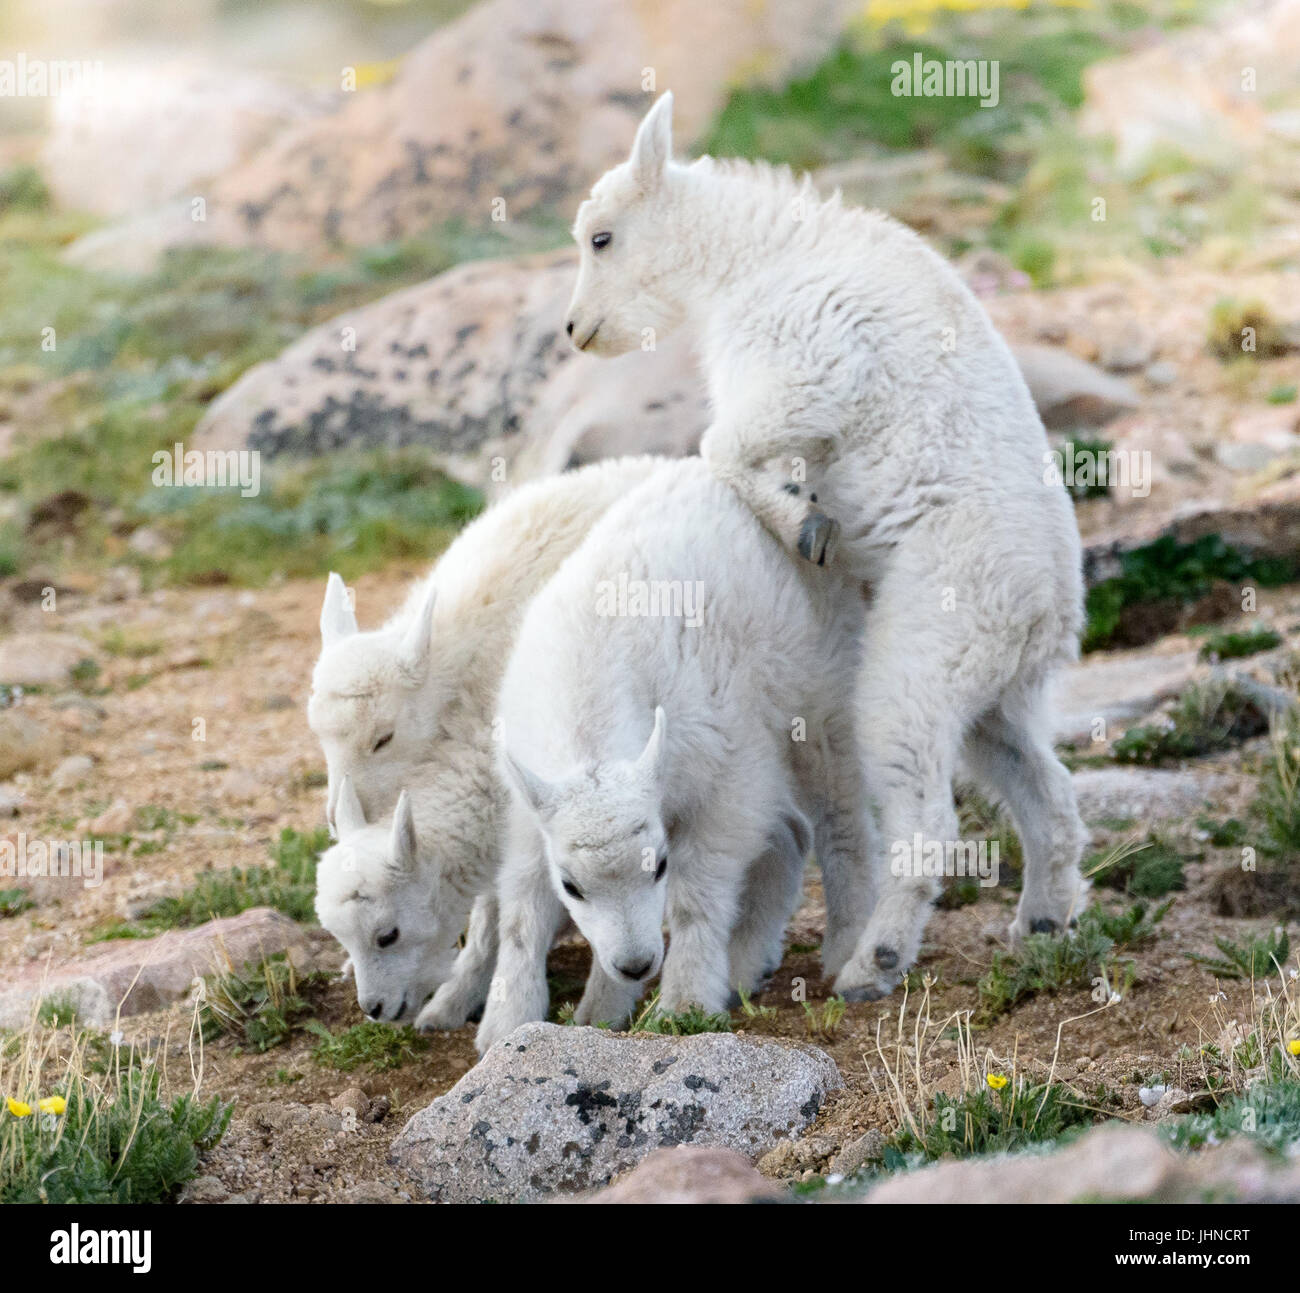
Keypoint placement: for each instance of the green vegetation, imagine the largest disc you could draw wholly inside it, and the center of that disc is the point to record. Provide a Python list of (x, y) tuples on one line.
[(987, 1121), (261, 1008), (1268, 1113), (847, 104), (1208, 717), (1233, 646), (1169, 576), (381, 1046), (1150, 871), (13, 902), (91, 1123), (1256, 957), (685, 1023), (1278, 802), (288, 885), (1082, 957), (1245, 329), (823, 1022)]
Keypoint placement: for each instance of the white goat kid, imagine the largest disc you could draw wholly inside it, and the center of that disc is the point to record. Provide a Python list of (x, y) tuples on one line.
[(377, 696), (854, 376), (619, 824), (400, 915), (411, 705)]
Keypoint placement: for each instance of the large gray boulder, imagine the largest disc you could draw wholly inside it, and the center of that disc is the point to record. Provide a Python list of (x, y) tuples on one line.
[(553, 1109)]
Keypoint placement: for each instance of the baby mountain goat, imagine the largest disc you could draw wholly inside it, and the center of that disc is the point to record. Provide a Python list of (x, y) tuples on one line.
[(377, 697), (410, 705), (867, 412), (655, 754)]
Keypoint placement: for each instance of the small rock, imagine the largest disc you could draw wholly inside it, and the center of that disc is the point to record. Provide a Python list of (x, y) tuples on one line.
[(114, 820), (23, 742), (11, 801), (691, 1174), (868, 1148), (370, 1192), (792, 1158), (1150, 1095), (205, 1189), (40, 659), (379, 1109), (1071, 392), (148, 974), (72, 771), (1126, 351), (353, 1098), (149, 543)]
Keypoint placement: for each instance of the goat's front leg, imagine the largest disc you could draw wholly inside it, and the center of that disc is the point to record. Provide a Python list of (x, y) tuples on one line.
[(703, 903), (530, 917), (769, 473), (466, 990), (605, 1000)]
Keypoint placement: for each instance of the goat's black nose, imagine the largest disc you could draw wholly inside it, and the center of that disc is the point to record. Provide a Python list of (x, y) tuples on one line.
[(373, 1012), (568, 327), (635, 972)]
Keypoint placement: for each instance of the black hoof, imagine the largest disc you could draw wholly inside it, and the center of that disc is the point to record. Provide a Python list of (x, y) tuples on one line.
[(862, 994), (886, 958), (817, 538), (475, 1016), (1043, 926)]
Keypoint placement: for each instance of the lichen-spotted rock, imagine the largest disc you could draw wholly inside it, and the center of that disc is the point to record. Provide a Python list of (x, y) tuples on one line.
[(552, 1109)]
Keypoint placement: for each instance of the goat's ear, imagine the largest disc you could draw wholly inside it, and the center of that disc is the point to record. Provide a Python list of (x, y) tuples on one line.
[(348, 813), (539, 795), (337, 618), (650, 762), (415, 642), (652, 149), (404, 847)]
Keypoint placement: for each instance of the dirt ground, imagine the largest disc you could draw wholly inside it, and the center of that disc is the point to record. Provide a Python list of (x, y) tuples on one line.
[(239, 661)]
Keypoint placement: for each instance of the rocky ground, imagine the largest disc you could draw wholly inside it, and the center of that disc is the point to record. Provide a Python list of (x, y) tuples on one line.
[(117, 755)]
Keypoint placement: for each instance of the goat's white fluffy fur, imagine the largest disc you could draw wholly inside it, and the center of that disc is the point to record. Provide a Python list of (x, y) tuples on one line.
[(653, 756), (428, 680), (847, 360)]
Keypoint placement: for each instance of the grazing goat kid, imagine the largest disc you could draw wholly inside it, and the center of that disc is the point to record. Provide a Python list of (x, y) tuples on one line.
[(862, 401), (410, 705), (662, 731)]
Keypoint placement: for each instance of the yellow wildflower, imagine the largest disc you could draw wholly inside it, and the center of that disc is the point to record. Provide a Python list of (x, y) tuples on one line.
[(53, 1104), (18, 1108), (1294, 1046), (996, 1081)]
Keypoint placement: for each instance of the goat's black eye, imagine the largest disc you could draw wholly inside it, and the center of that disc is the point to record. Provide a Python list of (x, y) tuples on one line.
[(379, 744), (661, 868), (572, 890), (601, 240), (387, 940)]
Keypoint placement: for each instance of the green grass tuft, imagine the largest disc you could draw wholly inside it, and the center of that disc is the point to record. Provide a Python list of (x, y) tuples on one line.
[(381, 1046)]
